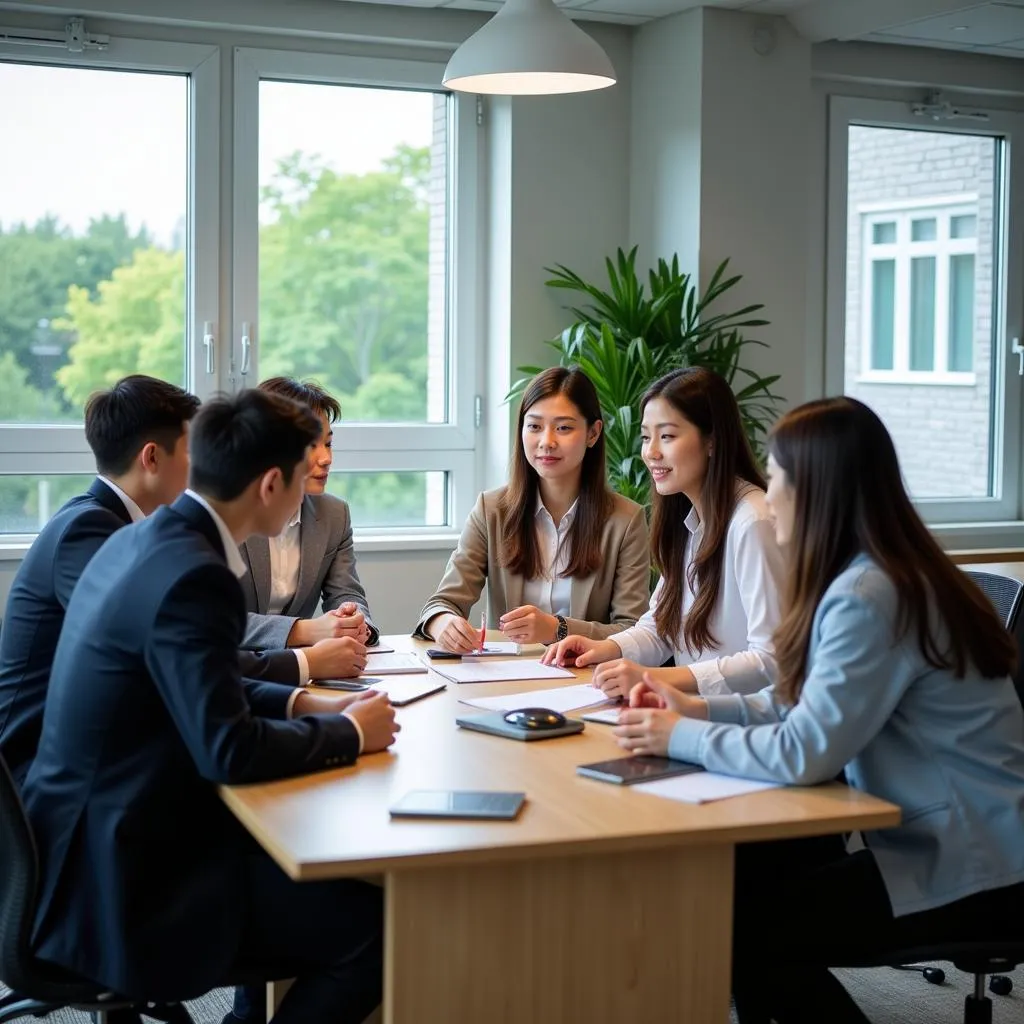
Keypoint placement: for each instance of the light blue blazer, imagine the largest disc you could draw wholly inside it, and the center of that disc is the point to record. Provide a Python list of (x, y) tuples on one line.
[(949, 752)]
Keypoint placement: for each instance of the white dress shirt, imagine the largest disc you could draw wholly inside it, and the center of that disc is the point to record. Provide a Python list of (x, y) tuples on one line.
[(551, 591), (237, 565), (745, 616), (285, 556), (133, 510)]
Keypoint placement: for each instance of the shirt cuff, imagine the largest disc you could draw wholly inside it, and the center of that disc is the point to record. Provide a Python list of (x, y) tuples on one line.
[(291, 701), (355, 725), (686, 741), (710, 680), (627, 645), (725, 708), (300, 657)]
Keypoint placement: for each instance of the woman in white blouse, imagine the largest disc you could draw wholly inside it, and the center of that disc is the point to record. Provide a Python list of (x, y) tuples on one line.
[(559, 552), (717, 604)]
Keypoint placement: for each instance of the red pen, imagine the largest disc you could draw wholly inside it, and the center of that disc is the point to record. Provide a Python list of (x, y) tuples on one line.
[(483, 629)]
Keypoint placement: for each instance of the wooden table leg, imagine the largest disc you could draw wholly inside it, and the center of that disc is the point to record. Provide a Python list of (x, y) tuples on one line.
[(593, 939)]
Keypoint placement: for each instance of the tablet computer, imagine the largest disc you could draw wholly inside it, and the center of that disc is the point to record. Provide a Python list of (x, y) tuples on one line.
[(458, 803), (624, 771)]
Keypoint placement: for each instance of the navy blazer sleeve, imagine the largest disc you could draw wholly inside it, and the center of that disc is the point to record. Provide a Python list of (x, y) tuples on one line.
[(191, 654), (272, 666), (85, 535)]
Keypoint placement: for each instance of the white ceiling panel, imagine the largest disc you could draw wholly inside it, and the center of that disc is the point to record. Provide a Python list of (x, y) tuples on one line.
[(990, 25)]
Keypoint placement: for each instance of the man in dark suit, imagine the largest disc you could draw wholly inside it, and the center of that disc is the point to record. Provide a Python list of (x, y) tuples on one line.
[(148, 884), (138, 432)]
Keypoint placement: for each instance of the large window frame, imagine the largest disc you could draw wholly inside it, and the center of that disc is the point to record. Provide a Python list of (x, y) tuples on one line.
[(1006, 503), (222, 258), (448, 447), (49, 449)]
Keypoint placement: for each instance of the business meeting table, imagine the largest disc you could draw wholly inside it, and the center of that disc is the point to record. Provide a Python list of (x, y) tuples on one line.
[(597, 904)]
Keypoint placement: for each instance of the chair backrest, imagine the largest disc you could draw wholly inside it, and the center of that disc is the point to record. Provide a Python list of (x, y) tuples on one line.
[(1007, 597), (1003, 591), (19, 870)]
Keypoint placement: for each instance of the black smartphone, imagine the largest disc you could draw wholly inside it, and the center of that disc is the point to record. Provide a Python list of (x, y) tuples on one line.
[(624, 771), (439, 655)]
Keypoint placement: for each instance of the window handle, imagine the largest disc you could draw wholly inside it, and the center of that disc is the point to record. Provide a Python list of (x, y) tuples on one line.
[(1018, 350), (246, 348), (210, 344)]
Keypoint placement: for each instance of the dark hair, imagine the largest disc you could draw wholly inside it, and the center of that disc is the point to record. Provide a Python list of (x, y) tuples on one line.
[(308, 392), (237, 438), (704, 398), (518, 534), (849, 498), (126, 417)]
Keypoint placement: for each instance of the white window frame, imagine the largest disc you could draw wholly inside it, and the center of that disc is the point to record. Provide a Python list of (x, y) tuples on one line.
[(448, 447), (53, 450), (942, 209), (1006, 504)]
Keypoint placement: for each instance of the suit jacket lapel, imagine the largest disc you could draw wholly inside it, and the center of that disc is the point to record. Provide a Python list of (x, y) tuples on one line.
[(313, 537), (256, 551), (579, 596)]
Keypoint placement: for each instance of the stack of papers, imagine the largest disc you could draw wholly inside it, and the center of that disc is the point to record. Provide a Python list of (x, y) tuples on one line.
[(503, 648), (564, 698), (484, 671), (392, 664), (700, 787)]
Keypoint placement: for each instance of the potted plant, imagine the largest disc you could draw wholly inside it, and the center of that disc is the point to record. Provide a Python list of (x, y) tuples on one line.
[(627, 336)]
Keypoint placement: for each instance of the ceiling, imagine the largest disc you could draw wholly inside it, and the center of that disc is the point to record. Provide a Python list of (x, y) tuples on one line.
[(986, 26)]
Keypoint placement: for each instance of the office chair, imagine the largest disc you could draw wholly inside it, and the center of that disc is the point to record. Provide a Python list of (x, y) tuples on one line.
[(38, 988), (979, 958)]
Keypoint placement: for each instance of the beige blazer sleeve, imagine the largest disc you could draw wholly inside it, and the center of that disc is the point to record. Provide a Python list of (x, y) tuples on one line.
[(465, 575), (610, 600)]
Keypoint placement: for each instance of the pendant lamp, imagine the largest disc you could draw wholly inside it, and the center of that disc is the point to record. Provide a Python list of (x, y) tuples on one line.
[(529, 48)]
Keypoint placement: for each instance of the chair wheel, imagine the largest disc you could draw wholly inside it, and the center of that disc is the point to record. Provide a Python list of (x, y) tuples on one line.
[(934, 975), (1000, 985)]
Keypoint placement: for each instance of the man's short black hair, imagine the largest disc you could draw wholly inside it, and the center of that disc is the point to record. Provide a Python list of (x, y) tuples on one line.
[(308, 392), (237, 438), (138, 409)]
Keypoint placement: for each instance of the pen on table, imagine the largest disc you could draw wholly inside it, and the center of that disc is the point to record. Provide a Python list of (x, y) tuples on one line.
[(483, 629)]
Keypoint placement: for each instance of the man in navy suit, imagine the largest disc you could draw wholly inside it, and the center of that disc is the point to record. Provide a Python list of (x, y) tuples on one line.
[(148, 884), (138, 432)]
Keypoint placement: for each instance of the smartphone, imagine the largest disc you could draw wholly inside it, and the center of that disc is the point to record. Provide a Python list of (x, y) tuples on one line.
[(440, 655), (444, 803), (624, 771), (350, 685)]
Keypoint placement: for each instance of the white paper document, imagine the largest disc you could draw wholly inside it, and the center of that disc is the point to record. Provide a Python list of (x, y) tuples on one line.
[(700, 787), (564, 698), (484, 670), (392, 664)]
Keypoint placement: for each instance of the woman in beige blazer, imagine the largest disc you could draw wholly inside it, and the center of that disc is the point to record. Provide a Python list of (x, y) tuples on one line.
[(559, 551)]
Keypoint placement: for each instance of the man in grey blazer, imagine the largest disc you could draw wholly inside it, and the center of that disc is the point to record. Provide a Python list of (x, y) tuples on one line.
[(326, 563)]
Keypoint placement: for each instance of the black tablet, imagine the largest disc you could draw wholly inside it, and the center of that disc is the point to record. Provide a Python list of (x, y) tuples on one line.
[(624, 771), (456, 803)]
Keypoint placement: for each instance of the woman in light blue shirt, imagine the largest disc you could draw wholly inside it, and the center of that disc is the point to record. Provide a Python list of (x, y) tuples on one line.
[(894, 666)]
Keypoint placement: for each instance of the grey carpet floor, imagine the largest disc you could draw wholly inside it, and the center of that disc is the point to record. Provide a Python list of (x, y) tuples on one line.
[(886, 996)]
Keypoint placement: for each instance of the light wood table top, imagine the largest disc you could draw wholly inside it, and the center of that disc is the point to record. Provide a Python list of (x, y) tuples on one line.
[(336, 823)]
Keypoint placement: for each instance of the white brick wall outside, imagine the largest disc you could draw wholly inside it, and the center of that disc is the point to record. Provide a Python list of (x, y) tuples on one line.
[(941, 432)]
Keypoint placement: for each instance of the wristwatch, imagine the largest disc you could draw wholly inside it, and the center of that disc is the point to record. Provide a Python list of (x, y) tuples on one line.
[(563, 628)]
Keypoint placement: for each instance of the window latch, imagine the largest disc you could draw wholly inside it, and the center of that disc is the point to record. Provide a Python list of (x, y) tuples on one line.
[(209, 344), (1018, 350)]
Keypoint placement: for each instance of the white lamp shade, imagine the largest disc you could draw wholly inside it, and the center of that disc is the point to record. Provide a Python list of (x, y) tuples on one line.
[(529, 48)]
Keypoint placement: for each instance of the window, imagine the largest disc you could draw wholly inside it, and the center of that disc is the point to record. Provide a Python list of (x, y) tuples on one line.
[(98, 252), (921, 313), (919, 291), (354, 234), (354, 216)]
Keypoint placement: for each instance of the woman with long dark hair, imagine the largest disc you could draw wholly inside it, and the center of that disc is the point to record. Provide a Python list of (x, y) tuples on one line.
[(558, 550), (893, 666), (716, 606)]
